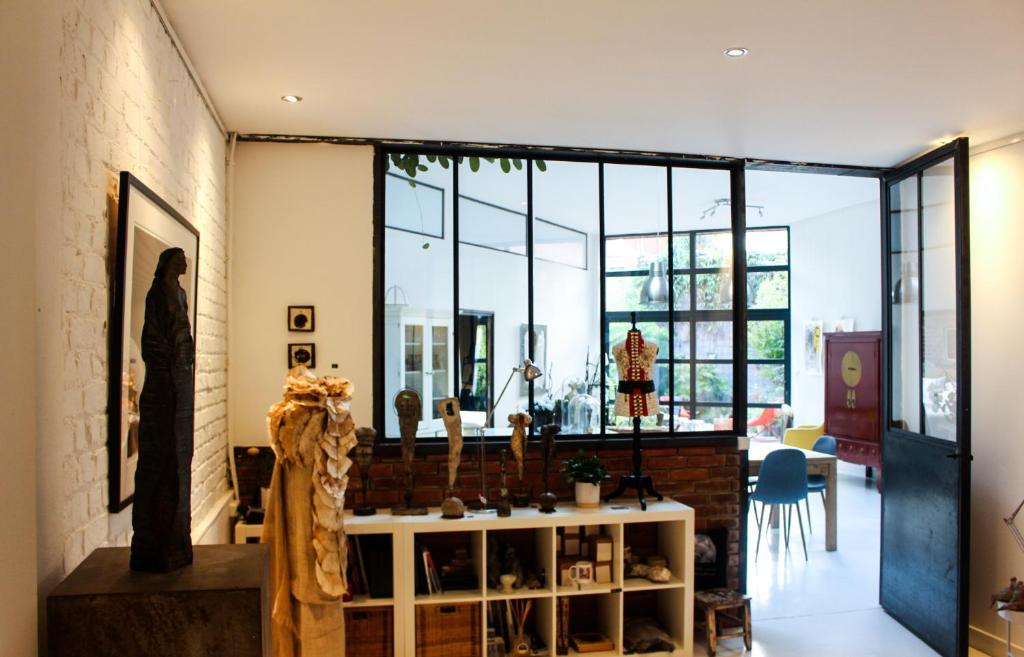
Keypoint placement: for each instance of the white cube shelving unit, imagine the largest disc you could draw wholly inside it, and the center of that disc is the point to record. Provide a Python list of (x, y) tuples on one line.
[(675, 538)]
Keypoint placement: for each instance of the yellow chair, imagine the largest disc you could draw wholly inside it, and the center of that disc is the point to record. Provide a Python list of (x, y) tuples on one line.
[(803, 436)]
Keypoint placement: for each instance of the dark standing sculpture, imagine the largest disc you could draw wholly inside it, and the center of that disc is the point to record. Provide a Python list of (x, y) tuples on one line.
[(161, 516), (547, 448)]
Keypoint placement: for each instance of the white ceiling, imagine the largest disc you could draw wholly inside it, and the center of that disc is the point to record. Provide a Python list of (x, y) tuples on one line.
[(868, 82)]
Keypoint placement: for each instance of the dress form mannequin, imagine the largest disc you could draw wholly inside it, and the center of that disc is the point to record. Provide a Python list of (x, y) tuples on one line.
[(635, 398)]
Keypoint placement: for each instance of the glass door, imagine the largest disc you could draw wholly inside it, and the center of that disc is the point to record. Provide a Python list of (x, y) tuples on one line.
[(926, 432)]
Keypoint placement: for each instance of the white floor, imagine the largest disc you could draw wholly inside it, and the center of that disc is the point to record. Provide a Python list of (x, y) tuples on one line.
[(826, 606)]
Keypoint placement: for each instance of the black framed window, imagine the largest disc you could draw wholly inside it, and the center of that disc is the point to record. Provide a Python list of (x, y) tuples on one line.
[(701, 365), (554, 254)]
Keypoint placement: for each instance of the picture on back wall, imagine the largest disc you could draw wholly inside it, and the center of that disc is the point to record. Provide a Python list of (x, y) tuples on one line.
[(146, 227)]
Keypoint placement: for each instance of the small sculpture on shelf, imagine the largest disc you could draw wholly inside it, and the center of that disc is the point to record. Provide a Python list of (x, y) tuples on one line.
[(547, 446), (450, 411), (409, 409), (517, 443), (366, 437), (504, 506)]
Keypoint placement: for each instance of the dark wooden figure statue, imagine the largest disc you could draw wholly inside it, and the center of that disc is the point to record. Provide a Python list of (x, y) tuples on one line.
[(547, 446), (161, 517)]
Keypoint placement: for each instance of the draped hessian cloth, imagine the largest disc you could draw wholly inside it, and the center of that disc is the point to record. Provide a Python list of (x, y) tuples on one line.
[(634, 360), (311, 433)]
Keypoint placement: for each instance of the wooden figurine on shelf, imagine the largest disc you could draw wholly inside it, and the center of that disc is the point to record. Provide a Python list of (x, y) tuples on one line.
[(366, 437), (409, 409), (547, 446), (504, 506), (517, 443), (452, 507)]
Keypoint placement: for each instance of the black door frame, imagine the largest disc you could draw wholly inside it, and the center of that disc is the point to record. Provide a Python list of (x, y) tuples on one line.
[(958, 150)]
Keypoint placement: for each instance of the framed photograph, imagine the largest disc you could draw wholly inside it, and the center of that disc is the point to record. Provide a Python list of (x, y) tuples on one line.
[(302, 353), (540, 352), (301, 318), (147, 226)]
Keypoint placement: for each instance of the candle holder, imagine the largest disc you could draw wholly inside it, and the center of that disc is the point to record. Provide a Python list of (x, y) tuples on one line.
[(366, 438)]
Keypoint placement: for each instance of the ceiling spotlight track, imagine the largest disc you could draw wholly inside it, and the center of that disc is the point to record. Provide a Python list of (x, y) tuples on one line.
[(719, 202)]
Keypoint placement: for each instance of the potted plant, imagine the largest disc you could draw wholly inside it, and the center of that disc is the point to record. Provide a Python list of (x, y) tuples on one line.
[(587, 473)]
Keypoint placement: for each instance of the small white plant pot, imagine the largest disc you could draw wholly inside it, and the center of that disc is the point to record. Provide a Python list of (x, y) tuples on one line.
[(588, 496)]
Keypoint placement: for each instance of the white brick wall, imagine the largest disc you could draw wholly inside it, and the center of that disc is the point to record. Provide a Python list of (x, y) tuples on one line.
[(127, 103)]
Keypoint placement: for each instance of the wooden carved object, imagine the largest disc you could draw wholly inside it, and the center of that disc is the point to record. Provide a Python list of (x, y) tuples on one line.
[(449, 410), (410, 409)]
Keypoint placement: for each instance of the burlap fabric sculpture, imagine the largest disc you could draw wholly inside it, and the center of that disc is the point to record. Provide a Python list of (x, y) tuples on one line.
[(311, 432)]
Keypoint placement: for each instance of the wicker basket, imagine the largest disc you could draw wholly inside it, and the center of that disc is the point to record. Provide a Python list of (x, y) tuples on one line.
[(369, 632), (448, 630)]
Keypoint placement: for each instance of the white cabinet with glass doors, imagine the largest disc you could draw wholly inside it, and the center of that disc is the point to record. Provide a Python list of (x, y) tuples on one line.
[(423, 338)]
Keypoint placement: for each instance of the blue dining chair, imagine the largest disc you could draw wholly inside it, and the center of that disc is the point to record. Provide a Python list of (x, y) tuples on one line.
[(781, 482), (816, 482)]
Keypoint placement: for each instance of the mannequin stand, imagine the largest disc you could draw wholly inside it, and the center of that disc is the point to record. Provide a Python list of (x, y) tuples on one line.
[(636, 479)]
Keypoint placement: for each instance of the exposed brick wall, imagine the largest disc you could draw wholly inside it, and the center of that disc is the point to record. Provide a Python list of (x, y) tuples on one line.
[(706, 478), (127, 102)]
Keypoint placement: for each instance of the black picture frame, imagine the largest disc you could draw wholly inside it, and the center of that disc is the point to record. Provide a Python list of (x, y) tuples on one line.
[(302, 319), (146, 224), (295, 357)]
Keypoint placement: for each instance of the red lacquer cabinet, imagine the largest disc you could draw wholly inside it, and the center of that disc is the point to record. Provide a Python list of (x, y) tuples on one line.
[(853, 396)]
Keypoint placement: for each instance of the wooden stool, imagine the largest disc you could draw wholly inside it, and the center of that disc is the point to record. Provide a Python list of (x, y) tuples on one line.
[(713, 601)]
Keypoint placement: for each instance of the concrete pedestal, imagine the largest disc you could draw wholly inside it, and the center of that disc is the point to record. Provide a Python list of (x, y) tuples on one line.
[(220, 605)]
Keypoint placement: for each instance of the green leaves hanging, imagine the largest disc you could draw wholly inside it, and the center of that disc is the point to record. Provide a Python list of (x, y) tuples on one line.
[(410, 163)]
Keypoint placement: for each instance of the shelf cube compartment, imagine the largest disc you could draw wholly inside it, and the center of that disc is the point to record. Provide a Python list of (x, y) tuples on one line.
[(370, 631), (656, 543), (587, 618), (530, 551), (452, 559), (538, 629), (370, 566), (667, 609), (600, 546), (448, 630)]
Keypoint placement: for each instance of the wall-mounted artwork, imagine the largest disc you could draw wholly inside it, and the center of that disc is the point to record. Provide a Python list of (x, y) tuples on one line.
[(147, 226), (302, 353), (301, 318), (813, 346)]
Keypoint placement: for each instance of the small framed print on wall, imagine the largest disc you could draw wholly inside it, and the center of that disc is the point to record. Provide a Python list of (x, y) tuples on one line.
[(302, 353), (301, 318)]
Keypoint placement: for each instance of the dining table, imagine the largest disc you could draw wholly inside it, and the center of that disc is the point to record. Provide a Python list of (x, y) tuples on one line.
[(818, 463)]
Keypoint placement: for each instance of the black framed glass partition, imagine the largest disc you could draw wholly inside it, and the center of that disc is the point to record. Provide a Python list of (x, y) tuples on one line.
[(489, 258)]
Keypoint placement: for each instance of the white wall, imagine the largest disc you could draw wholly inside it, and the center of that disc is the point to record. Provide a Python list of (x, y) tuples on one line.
[(835, 273), (122, 99), (302, 234), (28, 53), (997, 314)]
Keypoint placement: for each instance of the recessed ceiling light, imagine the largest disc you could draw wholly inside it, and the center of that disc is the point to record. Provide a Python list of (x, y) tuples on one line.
[(736, 52), (291, 98)]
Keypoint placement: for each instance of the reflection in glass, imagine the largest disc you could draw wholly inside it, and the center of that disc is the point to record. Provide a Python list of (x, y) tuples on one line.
[(905, 300), (567, 295), (493, 283), (418, 280), (938, 244)]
